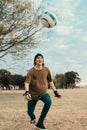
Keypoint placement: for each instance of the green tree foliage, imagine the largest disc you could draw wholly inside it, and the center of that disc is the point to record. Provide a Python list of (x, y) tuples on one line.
[(59, 80), (4, 74), (6, 79), (67, 80), (71, 78)]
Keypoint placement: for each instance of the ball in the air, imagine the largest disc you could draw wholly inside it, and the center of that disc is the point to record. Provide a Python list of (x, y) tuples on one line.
[(48, 19)]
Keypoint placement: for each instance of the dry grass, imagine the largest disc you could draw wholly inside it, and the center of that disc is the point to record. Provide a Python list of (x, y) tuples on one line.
[(67, 113)]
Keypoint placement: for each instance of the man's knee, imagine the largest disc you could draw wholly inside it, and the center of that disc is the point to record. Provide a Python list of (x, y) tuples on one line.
[(49, 101)]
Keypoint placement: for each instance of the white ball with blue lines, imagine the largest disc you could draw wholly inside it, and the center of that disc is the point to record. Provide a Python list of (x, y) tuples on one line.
[(48, 20)]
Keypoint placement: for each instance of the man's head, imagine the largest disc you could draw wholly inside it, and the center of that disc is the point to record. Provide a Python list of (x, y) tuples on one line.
[(39, 59)]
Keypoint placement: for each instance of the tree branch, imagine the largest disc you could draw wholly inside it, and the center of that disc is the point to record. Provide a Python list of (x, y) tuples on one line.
[(2, 50)]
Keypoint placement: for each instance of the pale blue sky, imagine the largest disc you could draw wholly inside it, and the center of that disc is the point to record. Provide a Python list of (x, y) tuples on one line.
[(66, 48)]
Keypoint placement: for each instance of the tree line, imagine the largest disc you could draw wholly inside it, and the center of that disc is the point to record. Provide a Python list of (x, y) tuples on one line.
[(67, 80), (8, 80)]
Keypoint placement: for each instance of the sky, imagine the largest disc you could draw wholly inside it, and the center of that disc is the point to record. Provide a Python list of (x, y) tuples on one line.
[(66, 47)]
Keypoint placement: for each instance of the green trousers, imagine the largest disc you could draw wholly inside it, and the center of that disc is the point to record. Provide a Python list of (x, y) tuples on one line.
[(46, 99)]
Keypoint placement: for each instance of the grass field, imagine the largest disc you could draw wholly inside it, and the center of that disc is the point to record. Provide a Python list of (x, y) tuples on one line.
[(67, 113)]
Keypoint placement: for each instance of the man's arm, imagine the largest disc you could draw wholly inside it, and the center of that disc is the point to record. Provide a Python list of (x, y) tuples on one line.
[(54, 89), (52, 86), (26, 94), (26, 86)]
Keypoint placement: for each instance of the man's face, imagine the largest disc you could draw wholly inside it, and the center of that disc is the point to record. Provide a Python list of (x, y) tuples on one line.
[(39, 60)]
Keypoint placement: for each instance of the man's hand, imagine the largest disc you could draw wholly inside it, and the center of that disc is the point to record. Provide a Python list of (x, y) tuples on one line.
[(57, 94), (27, 95)]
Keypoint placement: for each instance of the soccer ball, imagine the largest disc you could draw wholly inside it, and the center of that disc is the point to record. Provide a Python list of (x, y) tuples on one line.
[(48, 20)]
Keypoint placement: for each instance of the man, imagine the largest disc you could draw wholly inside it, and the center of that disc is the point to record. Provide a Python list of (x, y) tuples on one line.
[(36, 85)]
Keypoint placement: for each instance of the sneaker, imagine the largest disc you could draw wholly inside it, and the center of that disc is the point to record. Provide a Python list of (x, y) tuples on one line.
[(33, 121), (40, 126)]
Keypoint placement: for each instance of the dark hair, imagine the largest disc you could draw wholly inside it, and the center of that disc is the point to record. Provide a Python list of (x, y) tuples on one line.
[(36, 57)]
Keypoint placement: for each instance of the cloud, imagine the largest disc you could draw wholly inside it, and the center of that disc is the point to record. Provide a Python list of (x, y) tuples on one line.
[(83, 38), (80, 33), (66, 7), (64, 30)]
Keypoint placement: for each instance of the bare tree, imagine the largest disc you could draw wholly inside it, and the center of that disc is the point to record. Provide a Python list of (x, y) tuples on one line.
[(19, 23)]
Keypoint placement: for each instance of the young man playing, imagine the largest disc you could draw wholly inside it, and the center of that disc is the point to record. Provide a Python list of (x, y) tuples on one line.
[(36, 85)]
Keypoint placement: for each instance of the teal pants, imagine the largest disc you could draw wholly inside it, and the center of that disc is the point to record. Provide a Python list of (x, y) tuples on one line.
[(46, 99)]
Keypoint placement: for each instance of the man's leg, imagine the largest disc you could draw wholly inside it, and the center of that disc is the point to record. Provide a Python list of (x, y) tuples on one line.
[(47, 103), (31, 107)]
